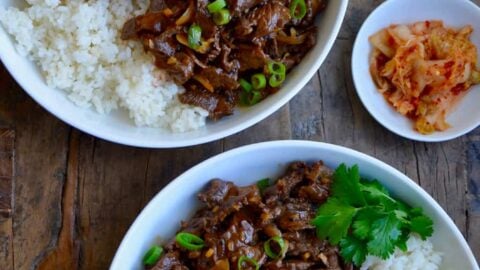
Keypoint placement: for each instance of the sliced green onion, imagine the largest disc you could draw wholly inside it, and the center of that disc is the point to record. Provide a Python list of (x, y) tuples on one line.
[(263, 184), (276, 80), (298, 9), (250, 98), (256, 97), (276, 68), (194, 36), (281, 244), (247, 260), (152, 256), (259, 81), (247, 87), (244, 98), (222, 17), (216, 5), (189, 241)]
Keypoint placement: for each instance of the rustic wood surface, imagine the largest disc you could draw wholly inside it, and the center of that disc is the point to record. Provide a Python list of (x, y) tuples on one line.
[(66, 198)]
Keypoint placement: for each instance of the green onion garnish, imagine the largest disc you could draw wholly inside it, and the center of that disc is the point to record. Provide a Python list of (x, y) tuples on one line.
[(222, 17), (259, 81), (281, 246), (256, 97), (298, 9), (276, 80), (194, 36), (152, 256), (247, 87), (278, 72), (189, 241), (250, 98), (263, 184), (276, 68), (248, 261), (216, 6)]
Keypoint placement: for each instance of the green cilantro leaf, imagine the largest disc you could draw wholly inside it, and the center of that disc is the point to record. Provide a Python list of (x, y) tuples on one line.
[(362, 223), (375, 193), (353, 250), (361, 228), (422, 225), (416, 211), (402, 241), (346, 185), (385, 232), (333, 220)]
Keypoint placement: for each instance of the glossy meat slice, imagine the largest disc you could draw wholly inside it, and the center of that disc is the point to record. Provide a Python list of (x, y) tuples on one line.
[(170, 261), (219, 79), (217, 105), (282, 188), (216, 192), (263, 21), (179, 66), (250, 57), (270, 18), (241, 7)]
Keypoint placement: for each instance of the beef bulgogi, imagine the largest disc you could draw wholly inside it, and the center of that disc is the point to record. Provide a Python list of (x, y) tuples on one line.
[(226, 52), (257, 227)]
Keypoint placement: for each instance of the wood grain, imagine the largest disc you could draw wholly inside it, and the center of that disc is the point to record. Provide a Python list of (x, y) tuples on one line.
[(67, 199), (7, 139)]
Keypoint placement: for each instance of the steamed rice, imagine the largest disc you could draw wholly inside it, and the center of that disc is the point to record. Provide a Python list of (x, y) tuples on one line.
[(77, 46), (419, 256)]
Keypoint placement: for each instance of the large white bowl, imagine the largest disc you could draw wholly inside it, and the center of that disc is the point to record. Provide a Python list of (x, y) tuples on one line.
[(161, 217), (116, 127), (454, 13)]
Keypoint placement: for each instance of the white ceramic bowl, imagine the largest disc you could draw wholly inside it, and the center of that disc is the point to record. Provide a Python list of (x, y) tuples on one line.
[(455, 13), (161, 217), (116, 127)]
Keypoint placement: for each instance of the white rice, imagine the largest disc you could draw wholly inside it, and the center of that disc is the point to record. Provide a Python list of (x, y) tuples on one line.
[(419, 256), (77, 46)]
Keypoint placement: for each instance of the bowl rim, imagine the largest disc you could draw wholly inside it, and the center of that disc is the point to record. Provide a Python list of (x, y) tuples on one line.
[(320, 146), (137, 141), (414, 136)]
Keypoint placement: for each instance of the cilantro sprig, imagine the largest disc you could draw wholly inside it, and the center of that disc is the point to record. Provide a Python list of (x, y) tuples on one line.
[(362, 218)]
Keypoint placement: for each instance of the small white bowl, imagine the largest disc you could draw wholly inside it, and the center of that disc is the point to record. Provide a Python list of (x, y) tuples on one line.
[(117, 127), (161, 218), (456, 13)]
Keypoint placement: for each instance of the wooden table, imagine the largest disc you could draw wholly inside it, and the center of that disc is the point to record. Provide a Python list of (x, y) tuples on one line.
[(67, 198)]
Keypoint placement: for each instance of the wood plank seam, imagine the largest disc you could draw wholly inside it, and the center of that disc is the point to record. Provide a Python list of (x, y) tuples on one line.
[(7, 174), (7, 137)]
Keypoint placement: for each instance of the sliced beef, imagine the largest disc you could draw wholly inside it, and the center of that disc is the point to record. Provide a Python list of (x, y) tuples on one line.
[(263, 21), (179, 67), (296, 215), (219, 79), (176, 7), (289, 265), (225, 62), (215, 193), (250, 57), (170, 261), (270, 18), (217, 106), (239, 7), (284, 185), (164, 44)]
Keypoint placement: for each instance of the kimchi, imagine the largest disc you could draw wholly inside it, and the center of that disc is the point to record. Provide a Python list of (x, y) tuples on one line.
[(423, 70)]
